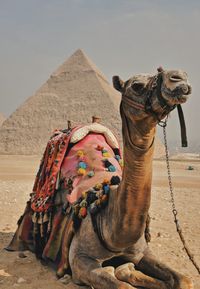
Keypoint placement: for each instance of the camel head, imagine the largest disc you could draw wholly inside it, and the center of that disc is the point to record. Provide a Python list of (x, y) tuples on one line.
[(156, 95)]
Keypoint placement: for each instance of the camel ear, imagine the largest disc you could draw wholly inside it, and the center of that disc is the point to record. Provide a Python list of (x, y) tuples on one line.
[(118, 83)]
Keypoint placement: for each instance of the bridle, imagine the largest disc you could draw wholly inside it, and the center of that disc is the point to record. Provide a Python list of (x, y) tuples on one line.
[(154, 85)]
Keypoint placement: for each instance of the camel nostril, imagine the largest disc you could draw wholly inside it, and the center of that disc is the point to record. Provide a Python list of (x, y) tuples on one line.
[(187, 89)]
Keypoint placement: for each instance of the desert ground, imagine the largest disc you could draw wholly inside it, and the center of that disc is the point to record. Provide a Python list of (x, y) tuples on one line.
[(16, 179)]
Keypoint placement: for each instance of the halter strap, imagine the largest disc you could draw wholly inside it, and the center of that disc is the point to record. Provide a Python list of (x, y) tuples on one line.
[(183, 126), (155, 83)]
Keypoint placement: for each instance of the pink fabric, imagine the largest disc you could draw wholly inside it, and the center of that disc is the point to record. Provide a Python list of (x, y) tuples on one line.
[(94, 160)]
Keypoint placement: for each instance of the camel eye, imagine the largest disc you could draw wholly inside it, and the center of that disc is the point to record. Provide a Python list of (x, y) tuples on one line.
[(176, 78), (137, 87)]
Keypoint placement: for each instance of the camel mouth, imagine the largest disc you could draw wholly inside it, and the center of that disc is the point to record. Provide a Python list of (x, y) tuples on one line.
[(180, 99), (178, 95)]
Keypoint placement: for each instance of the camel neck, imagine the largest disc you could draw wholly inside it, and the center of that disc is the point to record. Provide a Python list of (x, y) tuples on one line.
[(130, 204)]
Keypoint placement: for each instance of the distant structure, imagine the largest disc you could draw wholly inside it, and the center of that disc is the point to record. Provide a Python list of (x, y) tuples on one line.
[(76, 91), (2, 118)]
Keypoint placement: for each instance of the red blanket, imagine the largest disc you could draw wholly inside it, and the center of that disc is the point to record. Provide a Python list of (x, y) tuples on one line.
[(45, 182)]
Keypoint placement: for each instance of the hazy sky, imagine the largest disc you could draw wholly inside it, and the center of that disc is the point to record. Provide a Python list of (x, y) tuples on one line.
[(121, 36)]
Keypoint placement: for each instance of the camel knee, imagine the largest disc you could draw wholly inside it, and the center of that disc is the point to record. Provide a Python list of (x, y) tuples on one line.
[(110, 270), (124, 271)]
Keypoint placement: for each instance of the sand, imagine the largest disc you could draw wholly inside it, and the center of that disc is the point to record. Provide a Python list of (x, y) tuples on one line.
[(16, 178)]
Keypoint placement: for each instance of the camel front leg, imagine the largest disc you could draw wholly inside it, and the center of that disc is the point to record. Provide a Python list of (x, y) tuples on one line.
[(88, 271), (153, 268), (127, 273)]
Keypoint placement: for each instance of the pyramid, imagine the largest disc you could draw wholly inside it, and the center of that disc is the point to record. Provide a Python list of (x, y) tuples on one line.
[(76, 91), (2, 118)]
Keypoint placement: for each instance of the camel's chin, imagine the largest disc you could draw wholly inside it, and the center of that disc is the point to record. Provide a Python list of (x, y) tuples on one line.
[(176, 100), (181, 99)]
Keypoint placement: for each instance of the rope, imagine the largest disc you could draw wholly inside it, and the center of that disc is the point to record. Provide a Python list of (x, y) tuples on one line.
[(174, 210)]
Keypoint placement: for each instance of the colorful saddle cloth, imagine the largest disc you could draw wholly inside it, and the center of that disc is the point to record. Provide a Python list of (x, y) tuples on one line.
[(75, 161)]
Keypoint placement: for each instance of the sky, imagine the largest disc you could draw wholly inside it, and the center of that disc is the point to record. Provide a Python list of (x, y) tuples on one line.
[(121, 37)]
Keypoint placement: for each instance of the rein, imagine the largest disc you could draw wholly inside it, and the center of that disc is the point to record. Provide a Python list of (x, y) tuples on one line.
[(174, 210)]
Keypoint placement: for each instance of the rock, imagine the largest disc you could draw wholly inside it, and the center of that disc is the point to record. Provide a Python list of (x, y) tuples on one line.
[(65, 279), (190, 168), (21, 255), (21, 280)]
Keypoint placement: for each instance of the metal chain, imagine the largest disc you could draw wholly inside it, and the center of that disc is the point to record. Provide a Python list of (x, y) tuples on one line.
[(174, 210)]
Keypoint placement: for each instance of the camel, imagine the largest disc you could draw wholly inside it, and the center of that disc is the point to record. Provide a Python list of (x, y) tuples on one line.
[(110, 249)]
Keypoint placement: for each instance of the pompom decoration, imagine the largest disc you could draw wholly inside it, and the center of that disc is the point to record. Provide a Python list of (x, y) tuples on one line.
[(106, 155), (91, 197), (84, 195), (104, 198), (99, 148), (82, 165), (111, 168), (106, 181), (81, 172), (93, 200), (80, 153), (83, 212), (99, 194), (98, 187), (117, 157), (83, 203), (93, 208), (90, 174), (98, 202), (115, 180), (106, 189), (107, 163)]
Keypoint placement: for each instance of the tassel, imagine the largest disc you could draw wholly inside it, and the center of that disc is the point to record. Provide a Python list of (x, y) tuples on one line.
[(50, 223)]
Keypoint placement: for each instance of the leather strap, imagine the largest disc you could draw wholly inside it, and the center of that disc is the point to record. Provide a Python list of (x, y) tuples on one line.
[(182, 125)]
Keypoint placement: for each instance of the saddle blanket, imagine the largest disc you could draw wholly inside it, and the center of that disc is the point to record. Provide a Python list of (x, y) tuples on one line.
[(75, 161)]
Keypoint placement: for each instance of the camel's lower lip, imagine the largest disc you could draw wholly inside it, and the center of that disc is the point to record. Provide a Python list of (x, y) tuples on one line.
[(179, 98), (182, 100), (175, 97), (179, 92)]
